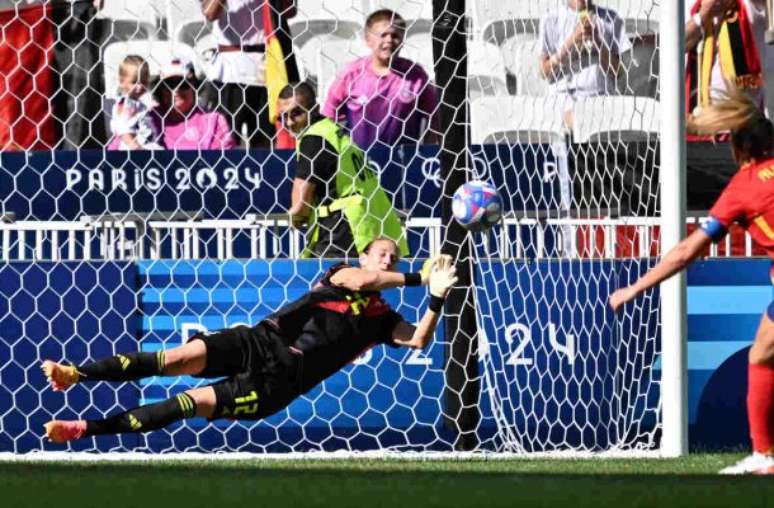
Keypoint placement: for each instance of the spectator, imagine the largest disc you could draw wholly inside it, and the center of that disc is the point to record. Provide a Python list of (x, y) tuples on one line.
[(184, 125), (580, 50), (237, 73), (334, 190), (130, 121), (77, 102), (715, 28), (712, 29), (382, 98), (581, 46)]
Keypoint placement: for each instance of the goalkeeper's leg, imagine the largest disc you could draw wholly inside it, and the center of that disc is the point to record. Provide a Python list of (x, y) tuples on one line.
[(194, 402), (190, 359)]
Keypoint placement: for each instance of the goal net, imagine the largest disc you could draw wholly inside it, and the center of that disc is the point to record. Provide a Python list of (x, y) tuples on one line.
[(106, 250)]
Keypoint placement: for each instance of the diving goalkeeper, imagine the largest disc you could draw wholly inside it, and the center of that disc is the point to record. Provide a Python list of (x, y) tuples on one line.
[(268, 365)]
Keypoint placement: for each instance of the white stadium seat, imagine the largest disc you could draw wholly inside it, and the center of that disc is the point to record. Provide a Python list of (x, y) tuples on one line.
[(342, 18), (419, 48), (408, 9), (616, 118), (156, 53), (191, 31), (332, 56), (497, 20), (142, 11), (520, 54), (181, 12), (486, 70), (341, 10), (513, 119), (641, 16)]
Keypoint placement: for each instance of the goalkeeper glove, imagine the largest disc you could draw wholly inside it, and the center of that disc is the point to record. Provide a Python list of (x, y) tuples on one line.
[(443, 276)]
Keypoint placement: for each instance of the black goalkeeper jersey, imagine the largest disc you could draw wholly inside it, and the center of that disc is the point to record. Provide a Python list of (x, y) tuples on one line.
[(330, 326)]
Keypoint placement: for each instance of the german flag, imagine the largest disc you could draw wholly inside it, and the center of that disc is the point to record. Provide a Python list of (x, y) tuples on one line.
[(27, 84), (281, 67)]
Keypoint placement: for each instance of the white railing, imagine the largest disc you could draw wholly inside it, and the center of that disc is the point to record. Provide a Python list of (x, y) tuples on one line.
[(263, 237)]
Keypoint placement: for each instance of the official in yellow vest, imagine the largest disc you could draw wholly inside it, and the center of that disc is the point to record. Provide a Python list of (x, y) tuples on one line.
[(335, 193)]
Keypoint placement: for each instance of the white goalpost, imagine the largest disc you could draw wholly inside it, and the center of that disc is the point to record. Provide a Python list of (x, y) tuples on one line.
[(104, 251), (673, 198)]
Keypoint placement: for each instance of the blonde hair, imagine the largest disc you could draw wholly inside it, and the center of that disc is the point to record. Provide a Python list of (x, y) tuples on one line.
[(136, 65), (751, 131)]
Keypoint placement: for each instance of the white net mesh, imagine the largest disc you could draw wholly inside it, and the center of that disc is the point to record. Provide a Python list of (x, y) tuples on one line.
[(107, 250)]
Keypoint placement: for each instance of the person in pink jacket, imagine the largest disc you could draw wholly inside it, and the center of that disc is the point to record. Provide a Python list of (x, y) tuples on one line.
[(181, 123)]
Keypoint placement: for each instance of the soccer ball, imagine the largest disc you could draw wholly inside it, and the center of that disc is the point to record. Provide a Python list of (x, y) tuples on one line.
[(476, 206)]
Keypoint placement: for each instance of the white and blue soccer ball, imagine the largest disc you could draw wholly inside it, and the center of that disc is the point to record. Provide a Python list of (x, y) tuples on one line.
[(477, 206)]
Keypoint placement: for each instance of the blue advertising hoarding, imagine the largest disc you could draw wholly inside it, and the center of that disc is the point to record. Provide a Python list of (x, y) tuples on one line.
[(64, 185)]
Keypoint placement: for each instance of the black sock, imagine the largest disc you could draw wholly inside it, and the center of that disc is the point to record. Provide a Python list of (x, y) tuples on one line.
[(124, 367), (145, 418)]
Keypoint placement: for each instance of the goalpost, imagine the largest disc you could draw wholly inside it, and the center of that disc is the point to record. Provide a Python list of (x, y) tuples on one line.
[(106, 251)]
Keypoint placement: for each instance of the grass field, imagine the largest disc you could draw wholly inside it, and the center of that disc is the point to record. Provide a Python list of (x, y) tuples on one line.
[(692, 481)]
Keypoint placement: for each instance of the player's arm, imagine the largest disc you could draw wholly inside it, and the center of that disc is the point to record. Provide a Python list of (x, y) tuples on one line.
[(317, 164), (442, 277), (357, 279), (301, 199), (674, 261)]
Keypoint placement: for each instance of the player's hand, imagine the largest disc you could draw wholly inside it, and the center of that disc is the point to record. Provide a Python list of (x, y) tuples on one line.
[(621, 296), (443, 276), (427, 268)]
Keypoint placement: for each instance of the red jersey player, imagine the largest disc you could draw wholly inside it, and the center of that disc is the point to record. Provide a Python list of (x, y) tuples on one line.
[(748, 200)]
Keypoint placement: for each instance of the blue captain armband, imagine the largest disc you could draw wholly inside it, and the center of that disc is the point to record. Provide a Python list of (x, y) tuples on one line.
[(714, 229)]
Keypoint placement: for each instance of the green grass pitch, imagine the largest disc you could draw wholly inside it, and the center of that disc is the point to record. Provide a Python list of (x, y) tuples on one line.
[(558, 483)]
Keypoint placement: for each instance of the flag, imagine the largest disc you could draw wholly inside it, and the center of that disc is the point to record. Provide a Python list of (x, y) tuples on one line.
[(26, 78), (281, 67)]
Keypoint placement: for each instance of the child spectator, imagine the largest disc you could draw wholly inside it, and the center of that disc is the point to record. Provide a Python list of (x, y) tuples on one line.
[(130, 122), (181, 123)]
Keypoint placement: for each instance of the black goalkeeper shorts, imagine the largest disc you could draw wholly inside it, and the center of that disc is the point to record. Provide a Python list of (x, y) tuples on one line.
[(257, 384)]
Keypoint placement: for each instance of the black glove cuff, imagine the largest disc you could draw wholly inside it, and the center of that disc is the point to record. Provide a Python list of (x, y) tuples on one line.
[(436, 304), (412, 279)]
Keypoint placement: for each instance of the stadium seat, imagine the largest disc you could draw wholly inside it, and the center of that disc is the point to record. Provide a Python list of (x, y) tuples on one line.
[(191, 31), (616, 118), (182, 12), (333, 55), (513, 119), (121, 30), (156, 53), (640, 68), (486, 70), (520, 54), (141, 11), (340, 18), (408, 9), (496, 21), (419, 48), (321, 57), (641, 16)]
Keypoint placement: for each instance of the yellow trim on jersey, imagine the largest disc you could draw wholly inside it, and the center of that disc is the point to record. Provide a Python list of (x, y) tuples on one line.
[(764, 226)]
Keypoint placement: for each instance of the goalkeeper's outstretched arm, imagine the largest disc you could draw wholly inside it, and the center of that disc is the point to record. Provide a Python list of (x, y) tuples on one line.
[(442, 277)]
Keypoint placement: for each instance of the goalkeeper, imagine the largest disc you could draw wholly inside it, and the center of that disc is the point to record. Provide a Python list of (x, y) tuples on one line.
[(267, 366)]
